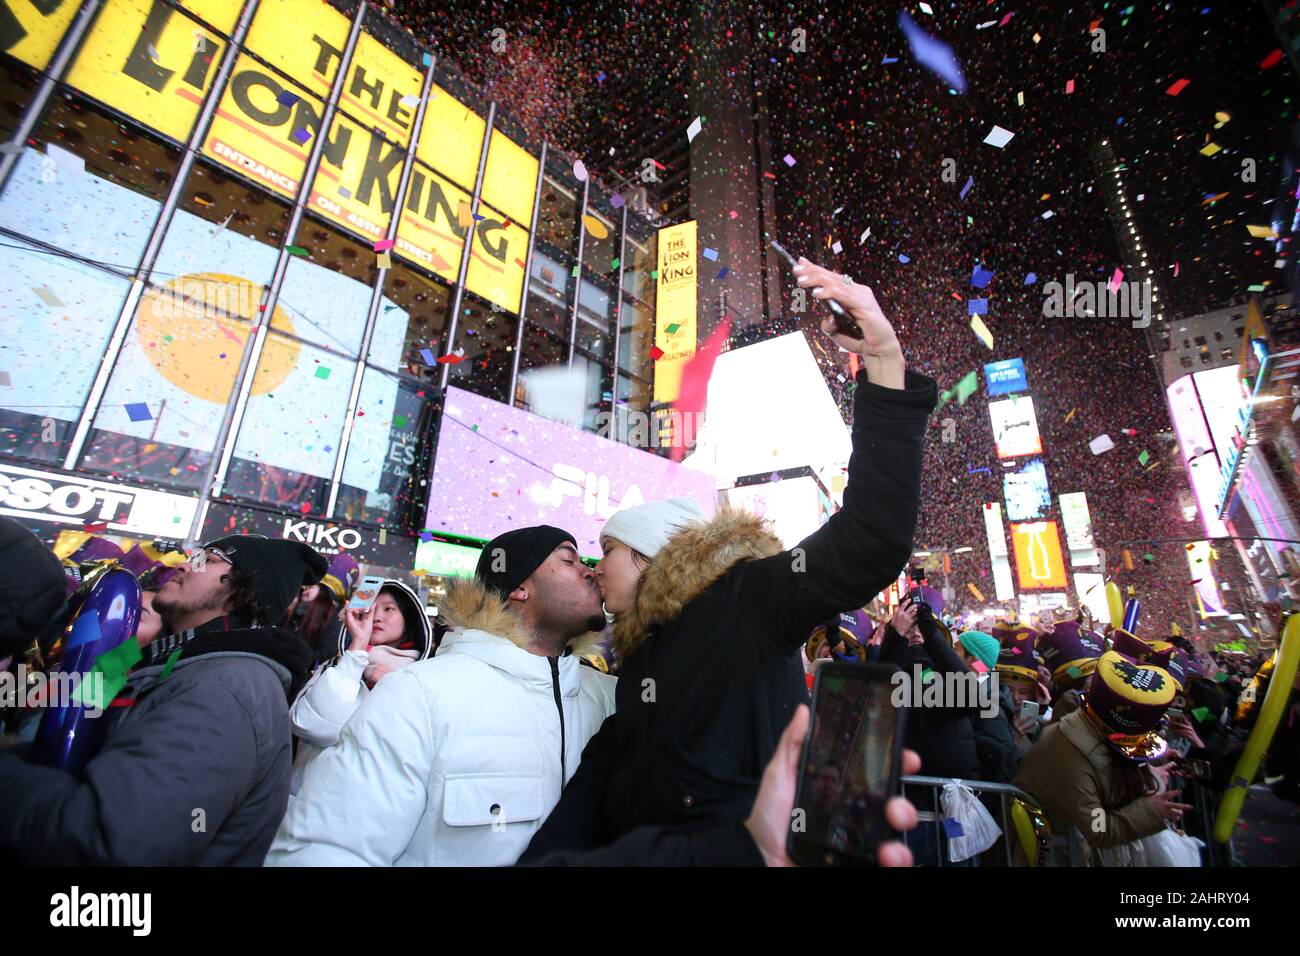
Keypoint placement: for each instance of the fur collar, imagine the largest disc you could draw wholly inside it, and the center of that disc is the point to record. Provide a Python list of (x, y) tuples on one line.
[(469, 605), (686, 566)]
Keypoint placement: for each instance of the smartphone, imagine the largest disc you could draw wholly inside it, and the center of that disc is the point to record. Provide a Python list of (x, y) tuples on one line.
[(844, 324), (1174, 713), (1028, 709), (366, 592), (852, 759)]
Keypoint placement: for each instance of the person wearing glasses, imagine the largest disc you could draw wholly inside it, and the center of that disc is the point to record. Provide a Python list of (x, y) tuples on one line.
[(195, 765)]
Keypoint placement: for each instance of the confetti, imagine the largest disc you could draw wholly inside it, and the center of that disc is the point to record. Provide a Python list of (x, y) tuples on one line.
[(383, 245), (970, 181), (138, 412), (1144, 457), (1100, 444), (978, 306), (711, 254), (1177, 87), (935, 55), (694, 129), (48, 297), (998, 137), (296, 250), (788, 159), (580, 170), (300, 136), (980, 277), (982, 332)]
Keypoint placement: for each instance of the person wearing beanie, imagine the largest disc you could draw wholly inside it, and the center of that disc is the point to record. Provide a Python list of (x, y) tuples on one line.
[(995, 744), (316, 614), (207, 728), (712, 613), (456, 759), (376, 642)]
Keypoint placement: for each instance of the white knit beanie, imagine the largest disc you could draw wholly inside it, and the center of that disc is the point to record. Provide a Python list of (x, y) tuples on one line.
[(647, 528)]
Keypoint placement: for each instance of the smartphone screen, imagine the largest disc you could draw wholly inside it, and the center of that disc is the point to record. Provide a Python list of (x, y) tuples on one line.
[(851, 762), (1029, 710), (366, 592)]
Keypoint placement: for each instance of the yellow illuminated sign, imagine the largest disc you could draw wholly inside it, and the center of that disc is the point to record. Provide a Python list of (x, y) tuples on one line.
[(31, 29), (675, 304), (149, 61)]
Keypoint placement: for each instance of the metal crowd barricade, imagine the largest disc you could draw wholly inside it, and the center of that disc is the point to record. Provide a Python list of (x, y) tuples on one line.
[(930, 813)]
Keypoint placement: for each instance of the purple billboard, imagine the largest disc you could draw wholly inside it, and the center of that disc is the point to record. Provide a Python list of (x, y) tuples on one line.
[(500, 468)]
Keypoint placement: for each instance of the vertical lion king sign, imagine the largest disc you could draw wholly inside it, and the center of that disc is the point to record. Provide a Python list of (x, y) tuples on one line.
[(675, 307)]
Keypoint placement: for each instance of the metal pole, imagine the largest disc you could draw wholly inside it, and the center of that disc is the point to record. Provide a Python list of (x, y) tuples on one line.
[(458, 296), (528, 273), (618, 316), (377, 294), (235, 407), (577, 284), (201, 126), (58, 65)]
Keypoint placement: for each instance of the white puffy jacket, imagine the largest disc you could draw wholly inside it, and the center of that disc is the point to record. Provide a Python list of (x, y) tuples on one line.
[(452, 761)]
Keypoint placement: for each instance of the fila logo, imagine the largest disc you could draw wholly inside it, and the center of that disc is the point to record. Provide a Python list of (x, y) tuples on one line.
[(570, 481)]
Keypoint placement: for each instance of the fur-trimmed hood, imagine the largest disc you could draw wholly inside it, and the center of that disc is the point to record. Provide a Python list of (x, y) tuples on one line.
[(687, 566), (470, 605)]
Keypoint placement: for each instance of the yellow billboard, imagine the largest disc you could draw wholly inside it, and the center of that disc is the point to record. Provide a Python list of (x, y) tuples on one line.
[(510, 178), (30, 30), (145, 59), (675, 329), (451, 139), (221, 14)]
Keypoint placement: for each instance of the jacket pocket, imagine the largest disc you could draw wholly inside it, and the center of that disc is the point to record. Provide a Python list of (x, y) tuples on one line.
[(479, 800)]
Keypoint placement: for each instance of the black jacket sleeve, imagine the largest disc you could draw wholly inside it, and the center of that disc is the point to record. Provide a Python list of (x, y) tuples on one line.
[(850, 559), (572, 824), (726, 845), (893, 647)]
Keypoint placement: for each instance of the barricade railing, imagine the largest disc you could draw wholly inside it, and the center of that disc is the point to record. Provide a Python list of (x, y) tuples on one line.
[(996, 797)]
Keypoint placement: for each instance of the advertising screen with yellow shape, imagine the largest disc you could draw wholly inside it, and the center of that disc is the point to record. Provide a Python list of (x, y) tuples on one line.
[(675, 330), (143, 59), (1039, 562), (31, 29)]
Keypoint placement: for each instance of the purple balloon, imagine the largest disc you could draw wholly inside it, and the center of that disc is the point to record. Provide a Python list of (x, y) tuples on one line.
[(68, 736)]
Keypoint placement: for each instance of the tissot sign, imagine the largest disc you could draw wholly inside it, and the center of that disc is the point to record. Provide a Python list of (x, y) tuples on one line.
[(73, 500), (327, 537)]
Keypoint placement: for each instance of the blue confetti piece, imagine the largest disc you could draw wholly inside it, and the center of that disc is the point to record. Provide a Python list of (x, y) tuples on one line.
[(722, 273), (953, 828), (428, 357), (889, 59), (979, 306), (427, 59), (980, 277), (83, 632), (904, 259), (711, 254), (970, 181), (600, 77), (138, 412), (616, 201), (1031, 279), (286, 98), (935, 55)]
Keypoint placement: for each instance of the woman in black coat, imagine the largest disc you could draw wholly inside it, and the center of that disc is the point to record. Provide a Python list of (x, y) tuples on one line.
[(710, 675)]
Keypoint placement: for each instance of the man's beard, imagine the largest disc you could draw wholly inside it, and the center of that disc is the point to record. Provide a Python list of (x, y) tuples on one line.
[(174, 611)]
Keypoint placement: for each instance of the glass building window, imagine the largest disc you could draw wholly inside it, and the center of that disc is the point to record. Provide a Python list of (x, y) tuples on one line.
[(387, 452), (557, 216), (327, 292), (180, 359), (19, 84), (488, 339), (411, 324), (58, 314)]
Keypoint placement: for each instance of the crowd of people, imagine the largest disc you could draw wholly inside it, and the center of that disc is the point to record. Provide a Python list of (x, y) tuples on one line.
[(271, 720)]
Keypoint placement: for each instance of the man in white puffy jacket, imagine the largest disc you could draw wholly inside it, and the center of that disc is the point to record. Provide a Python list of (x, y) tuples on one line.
[(457, 760)]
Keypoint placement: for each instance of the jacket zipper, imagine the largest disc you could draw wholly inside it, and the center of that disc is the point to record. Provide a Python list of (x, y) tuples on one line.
[(559, 705)]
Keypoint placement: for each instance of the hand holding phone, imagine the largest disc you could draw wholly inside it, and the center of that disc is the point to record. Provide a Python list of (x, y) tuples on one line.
[(844, 323), (1028, 711), (851, 765)]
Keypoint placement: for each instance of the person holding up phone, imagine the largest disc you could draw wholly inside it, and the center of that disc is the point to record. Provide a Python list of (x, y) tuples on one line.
[(710, 615), (384, 629)]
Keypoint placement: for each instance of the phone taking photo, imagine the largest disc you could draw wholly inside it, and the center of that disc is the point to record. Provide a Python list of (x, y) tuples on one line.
[(1029, 710), (366, 593), (851, 766), (844, 323)]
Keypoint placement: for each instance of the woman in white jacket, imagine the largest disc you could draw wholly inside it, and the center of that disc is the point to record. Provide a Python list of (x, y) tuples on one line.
[(394, 632)]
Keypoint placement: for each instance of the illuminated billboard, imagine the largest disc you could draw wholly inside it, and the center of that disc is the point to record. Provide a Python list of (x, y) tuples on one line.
[(1005, 377), (997, 538), (675, 307), (1213, 396), (267, 123), (1026, 492), (1039, 563), (792, 506), (1015, 428), (500, 468), (1077, 522)]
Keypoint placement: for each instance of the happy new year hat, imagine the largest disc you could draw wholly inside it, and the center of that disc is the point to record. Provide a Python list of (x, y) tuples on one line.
[(1069, 651), (1127, 699)]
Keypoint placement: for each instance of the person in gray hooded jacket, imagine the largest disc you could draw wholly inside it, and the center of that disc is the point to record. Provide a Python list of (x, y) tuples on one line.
[(196, 770)]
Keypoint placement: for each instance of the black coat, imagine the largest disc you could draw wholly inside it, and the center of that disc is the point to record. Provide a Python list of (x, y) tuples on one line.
[(943, 736), (995, 743), (710, 675)]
